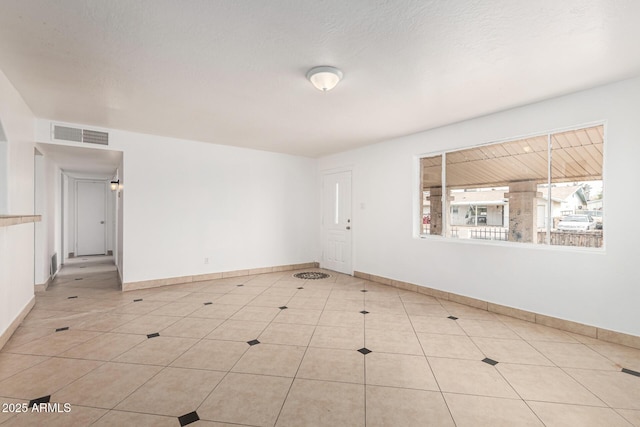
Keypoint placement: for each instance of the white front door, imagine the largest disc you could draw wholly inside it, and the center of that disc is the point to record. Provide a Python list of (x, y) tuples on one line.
[(336, 222), (91, 216)]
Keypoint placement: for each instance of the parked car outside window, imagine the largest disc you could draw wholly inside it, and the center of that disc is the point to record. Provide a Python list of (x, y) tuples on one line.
[(577, 223)]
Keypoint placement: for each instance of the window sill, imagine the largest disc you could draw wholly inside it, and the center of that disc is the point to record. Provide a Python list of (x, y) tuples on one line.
[(510, 245)]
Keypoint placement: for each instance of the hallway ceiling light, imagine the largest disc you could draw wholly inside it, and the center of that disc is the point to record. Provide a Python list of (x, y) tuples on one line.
[(324, 78)]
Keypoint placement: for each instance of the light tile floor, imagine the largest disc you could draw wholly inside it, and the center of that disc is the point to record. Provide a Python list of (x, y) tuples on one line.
[(274, 350)]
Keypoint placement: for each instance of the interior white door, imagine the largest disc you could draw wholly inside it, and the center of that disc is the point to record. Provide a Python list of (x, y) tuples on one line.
[(90, 218), (336, 222)]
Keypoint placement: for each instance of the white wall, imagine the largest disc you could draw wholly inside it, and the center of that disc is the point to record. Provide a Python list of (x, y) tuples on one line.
[(187, 201), (70, 210), (4, 177), (48, 240), (16, 242), (118, 252), (41, 268), (110, 218), (65, 226), (593, 287), (240, 208), (54, 212)]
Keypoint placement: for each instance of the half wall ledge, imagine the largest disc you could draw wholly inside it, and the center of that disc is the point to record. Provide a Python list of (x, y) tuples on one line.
[(554, 322), (8, 220)]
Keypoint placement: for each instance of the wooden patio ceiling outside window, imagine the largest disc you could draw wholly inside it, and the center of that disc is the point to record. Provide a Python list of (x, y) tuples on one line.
[(577, 155)]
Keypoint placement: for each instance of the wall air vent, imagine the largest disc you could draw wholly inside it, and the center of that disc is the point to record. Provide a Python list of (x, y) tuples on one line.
[(64, 133), (53, 269), (95, 137), (87, 136), (3, 137)]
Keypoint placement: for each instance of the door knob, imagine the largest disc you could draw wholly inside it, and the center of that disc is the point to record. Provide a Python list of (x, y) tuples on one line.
[(348, 228), (101, 222)]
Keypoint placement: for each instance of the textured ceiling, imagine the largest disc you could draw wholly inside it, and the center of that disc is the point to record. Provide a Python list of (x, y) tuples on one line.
[(233, 72)]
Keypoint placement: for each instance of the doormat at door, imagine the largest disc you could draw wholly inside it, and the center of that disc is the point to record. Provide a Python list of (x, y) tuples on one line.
[(311, 275)]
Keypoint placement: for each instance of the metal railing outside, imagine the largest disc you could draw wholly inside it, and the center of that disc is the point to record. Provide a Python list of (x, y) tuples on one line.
[(490, 234)]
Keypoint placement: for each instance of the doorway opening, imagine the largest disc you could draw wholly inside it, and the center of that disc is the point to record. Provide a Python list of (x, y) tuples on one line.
[(81, 215)]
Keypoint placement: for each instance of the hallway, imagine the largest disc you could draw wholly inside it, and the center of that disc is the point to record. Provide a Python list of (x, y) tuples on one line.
[(276, 350)]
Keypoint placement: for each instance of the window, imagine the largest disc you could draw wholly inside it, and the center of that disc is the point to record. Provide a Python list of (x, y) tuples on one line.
[(519, 191), (431, 180)]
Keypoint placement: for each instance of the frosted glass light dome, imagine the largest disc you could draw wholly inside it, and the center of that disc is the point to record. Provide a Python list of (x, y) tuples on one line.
[(324, 78)]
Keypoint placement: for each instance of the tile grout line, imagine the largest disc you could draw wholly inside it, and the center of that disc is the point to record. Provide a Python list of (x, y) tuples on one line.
[(563, 369), (243, 353), (111, 360), (303, 355), (500, 373), (603, 355), (425, 355), (364, 334), (334, 287), (554, 364)]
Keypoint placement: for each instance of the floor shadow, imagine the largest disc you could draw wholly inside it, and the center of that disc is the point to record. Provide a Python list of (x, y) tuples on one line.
[(88, 272)]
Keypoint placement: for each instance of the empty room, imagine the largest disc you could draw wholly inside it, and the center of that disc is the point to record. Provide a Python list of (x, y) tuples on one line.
[(329, 213)]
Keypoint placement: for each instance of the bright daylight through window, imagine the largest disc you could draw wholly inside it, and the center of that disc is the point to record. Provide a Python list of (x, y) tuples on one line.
[(543, 190)]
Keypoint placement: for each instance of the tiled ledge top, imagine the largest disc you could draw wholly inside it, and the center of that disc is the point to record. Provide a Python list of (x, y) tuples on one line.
[(7, 220)]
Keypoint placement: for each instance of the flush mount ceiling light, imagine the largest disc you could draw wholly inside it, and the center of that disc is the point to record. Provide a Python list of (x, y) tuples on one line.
[(324, 78)]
